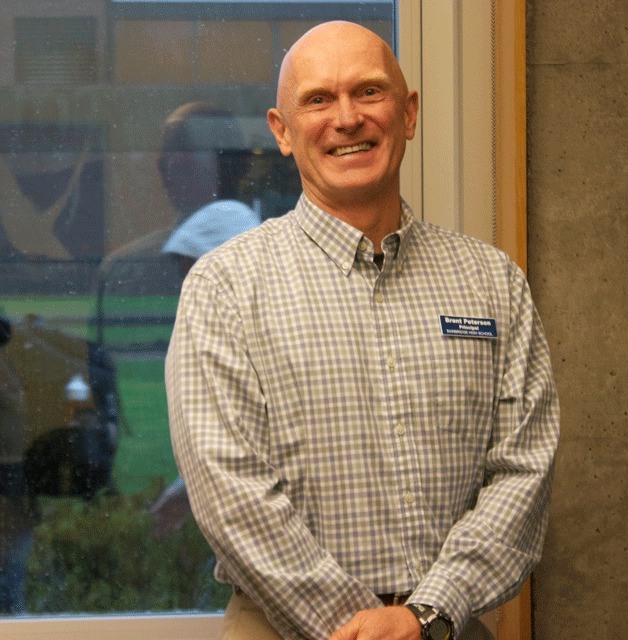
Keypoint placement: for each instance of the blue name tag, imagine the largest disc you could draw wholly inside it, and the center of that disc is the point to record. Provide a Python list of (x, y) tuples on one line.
[(459, 327)]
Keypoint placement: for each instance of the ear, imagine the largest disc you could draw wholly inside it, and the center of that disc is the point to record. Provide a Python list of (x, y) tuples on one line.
[(280, 130), (411, 113)]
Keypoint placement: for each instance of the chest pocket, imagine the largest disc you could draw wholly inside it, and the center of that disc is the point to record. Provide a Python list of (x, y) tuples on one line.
[(463, 384)]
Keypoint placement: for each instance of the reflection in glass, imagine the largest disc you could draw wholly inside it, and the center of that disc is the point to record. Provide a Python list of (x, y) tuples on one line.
[(132, 139)]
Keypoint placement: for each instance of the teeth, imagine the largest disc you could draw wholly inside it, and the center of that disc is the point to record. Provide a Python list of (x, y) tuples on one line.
[(342, 151)]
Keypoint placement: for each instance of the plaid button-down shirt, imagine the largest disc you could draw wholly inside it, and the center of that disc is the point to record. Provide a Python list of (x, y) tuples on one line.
[(335, 444)]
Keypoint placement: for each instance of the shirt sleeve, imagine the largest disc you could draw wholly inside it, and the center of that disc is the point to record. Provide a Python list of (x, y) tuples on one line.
[(491, 550), (220, 439)]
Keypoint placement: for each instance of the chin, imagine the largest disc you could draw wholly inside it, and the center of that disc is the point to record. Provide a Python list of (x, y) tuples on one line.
[(364, 189)]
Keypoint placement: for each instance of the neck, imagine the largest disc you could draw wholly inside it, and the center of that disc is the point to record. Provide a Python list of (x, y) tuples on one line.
[(185, 209), (374, 217)]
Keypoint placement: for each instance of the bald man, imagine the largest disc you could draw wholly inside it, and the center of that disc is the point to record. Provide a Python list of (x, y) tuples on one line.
[(361, 404)]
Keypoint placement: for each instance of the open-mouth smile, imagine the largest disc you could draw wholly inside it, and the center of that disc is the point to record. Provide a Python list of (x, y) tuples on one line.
[(355, 148)]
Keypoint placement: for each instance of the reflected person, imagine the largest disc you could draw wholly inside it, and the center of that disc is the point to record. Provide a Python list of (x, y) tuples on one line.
[(201, 164), (201, 161), (361, 404)]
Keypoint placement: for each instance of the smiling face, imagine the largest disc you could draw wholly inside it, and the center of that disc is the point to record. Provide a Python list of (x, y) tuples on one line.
[(344, 112)]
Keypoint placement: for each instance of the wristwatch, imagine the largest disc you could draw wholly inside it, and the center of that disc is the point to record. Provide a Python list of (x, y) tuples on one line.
[(434, 624)]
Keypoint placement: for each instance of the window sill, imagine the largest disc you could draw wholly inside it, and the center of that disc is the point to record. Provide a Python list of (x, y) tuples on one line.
[(120, 627)]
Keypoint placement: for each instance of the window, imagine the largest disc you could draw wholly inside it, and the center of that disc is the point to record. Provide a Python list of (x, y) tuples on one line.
[(120, 120), (89, 170)]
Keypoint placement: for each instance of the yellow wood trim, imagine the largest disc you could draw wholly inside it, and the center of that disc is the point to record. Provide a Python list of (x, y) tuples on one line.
[(514, 619), (510, 129)]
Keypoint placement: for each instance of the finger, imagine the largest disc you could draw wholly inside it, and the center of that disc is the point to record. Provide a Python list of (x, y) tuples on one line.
[(347, 632)]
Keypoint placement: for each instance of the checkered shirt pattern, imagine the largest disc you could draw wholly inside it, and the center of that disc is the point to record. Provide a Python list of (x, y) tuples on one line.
[(336, 445)]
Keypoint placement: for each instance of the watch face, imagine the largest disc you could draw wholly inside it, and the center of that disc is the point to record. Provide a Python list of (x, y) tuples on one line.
[(438, 630)]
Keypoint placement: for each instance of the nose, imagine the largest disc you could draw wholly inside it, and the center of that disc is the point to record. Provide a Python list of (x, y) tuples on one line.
[(348, 115)]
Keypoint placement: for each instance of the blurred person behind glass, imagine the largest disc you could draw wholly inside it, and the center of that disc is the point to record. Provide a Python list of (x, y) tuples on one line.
[(201, 164), (201, 161)]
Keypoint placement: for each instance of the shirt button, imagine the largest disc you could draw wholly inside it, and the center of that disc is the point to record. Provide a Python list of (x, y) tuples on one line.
[(400, 429), (363, 245), (390, 362), (379, 297), (408, 498)]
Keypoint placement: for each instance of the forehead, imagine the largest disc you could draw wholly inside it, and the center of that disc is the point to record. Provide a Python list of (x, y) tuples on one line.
[(334, 60)]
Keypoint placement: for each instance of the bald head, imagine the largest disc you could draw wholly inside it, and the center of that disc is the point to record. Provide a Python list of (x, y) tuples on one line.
[(326, 40), (344, 113)]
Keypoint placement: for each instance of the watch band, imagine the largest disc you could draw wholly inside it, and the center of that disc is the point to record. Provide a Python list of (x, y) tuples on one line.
[(434, 624)]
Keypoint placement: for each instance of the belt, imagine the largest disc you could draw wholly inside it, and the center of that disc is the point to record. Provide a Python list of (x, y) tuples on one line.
[(393, 599), (388, 599)]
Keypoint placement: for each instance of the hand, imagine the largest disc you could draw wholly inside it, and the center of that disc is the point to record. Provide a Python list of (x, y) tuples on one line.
[(389, 623)]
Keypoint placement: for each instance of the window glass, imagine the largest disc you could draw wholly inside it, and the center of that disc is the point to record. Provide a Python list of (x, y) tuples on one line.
[(132, 140)]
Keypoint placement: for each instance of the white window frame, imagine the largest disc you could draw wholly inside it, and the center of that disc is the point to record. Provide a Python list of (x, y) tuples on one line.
[(446, 49), (449, 176)]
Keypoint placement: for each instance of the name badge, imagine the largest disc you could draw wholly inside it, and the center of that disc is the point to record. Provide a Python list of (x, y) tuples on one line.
[(459, 327)]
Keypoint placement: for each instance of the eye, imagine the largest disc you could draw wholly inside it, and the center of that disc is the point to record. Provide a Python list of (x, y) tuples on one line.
[(315, 99), (370, 92)]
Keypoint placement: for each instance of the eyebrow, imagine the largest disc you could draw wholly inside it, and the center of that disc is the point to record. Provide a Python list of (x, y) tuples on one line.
[(302, 96), (381, 80)]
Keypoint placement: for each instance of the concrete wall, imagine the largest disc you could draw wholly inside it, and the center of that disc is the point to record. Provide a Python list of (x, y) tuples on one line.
[(578, 237)]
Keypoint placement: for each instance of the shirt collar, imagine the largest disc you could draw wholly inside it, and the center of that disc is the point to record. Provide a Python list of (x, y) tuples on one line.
[(338, 239)]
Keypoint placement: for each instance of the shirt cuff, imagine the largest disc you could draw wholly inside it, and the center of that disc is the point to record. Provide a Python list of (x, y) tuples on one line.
[(438, 591)]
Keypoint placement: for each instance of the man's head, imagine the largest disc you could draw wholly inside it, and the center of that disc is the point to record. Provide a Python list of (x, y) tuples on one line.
[(344, 112), (201, 156)]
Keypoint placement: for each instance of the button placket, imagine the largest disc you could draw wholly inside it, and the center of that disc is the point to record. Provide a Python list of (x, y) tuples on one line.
[(392, 363)]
